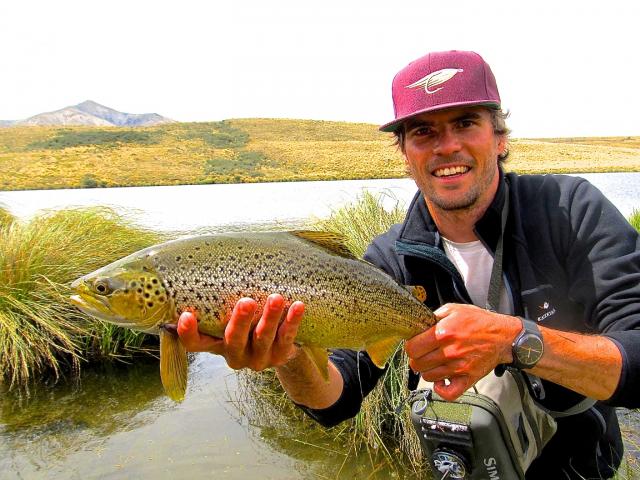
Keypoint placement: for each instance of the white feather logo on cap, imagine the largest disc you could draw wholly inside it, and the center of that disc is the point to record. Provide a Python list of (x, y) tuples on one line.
[(435, 78)]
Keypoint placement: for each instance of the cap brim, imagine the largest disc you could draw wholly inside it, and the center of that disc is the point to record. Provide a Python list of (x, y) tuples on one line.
[(393, 126)]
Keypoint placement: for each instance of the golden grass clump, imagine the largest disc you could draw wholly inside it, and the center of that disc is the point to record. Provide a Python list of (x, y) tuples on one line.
[(40, 331), (360, 222)]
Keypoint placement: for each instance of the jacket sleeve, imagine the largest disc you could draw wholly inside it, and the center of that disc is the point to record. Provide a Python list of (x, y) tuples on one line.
[(604, 262), (360, 375)]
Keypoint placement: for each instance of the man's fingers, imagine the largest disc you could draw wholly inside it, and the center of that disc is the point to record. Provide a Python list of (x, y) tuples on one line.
[(289, 329), (236, 333), (453, 388), (267, 327), (192, 339), (422, 344)]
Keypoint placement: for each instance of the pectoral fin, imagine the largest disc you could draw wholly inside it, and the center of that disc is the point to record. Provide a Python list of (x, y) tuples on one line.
[(417, 291), (173, 366), (382, 350), (320, 358)]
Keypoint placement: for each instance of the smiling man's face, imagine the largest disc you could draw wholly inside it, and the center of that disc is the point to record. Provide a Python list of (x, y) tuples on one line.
[(453, 157)]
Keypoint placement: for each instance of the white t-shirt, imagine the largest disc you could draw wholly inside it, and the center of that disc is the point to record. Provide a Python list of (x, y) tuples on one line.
[(474, 262)]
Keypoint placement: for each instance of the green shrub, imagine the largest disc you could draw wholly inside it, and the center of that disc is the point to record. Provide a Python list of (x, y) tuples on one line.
[(89, 181), (216, 134), (245, 163), (82, 138)]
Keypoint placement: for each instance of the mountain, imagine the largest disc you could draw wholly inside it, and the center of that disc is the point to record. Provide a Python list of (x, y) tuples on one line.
[(92, 114), (6, 123), (121, 119)]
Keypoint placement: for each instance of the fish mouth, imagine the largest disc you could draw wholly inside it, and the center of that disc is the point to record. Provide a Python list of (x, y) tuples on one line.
[(96, 307)]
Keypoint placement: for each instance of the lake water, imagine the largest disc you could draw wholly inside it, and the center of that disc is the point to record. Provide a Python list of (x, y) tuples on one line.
[(116, 423), (192, 207)]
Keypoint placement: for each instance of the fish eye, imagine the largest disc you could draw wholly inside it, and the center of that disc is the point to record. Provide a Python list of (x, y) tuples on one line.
[(102, 287)]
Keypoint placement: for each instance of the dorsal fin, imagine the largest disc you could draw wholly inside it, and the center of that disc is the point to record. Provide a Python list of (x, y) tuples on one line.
[(330, 241)]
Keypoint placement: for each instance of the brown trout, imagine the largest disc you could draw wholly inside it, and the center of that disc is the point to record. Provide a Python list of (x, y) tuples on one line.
[(349, 303)]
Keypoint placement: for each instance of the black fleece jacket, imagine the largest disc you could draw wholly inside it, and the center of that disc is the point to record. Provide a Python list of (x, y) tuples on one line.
[(572, 262)]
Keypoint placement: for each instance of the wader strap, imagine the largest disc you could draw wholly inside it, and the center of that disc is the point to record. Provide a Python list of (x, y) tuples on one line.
[(493, 303), (495, 284), (583, 406)]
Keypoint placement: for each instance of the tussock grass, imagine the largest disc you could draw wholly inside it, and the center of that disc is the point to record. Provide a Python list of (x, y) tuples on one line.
[(41, 333), (363, 220)]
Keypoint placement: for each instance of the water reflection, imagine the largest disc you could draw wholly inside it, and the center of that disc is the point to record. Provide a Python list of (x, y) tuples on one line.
[(117, 423), (334, 453), (52, 421)]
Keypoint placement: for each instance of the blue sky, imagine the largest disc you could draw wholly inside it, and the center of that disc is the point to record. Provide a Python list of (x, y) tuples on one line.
[(563, 68)]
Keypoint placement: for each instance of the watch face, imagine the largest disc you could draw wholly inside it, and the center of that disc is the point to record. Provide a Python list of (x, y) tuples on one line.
[(529, 349)]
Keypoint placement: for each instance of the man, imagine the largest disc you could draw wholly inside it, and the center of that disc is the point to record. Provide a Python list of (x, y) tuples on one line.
[(570, 277)]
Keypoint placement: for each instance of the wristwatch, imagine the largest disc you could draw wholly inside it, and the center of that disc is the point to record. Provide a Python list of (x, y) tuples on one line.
[(528, 347)]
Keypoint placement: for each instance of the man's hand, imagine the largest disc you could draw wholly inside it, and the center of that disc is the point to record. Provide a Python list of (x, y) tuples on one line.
[(464, 346), (269, 344)]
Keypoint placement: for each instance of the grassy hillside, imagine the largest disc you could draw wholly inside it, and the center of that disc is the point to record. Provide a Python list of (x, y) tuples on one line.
[(253, 150)]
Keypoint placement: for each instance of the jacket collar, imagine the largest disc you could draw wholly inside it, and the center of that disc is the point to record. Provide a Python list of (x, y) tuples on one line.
[(419, 227)]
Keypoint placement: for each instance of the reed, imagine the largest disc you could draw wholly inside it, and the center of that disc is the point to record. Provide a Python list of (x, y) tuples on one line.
[(41, 333)]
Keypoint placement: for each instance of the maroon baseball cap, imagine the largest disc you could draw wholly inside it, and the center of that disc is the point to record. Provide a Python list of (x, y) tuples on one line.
[(442, 80)]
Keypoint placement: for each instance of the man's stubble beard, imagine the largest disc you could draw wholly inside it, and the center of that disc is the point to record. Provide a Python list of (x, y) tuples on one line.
[(465, 201)]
